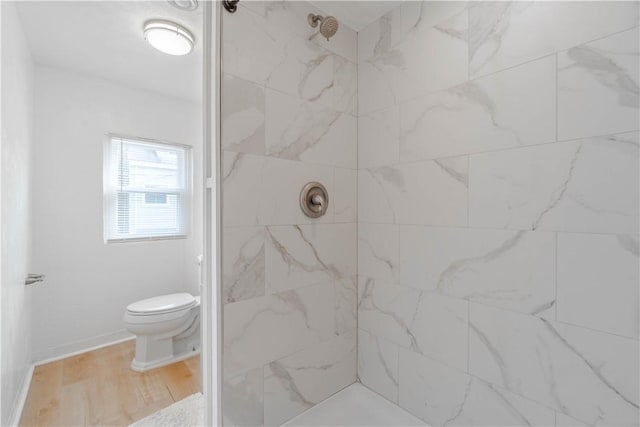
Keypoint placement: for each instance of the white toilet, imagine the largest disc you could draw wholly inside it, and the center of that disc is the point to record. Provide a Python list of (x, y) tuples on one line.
[(167, 329)]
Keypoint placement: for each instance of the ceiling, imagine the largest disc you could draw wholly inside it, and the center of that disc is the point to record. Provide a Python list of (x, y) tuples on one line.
[(104, 39), (355, 14)]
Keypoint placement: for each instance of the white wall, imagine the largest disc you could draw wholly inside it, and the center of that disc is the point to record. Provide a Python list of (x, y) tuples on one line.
[(498, 211), (17, 106), (89, 283)]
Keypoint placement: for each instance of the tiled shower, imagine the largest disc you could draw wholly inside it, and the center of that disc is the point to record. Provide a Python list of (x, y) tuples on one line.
[(478, 263)]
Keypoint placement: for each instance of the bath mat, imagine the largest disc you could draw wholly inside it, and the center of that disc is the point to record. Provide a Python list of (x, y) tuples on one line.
[(189, 412)]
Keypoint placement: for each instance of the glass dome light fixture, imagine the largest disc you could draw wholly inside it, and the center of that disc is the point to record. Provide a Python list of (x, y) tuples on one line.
[(168, 37)]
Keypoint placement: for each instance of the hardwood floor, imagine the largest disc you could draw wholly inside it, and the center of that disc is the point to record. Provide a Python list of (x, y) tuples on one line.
[(98, 388)]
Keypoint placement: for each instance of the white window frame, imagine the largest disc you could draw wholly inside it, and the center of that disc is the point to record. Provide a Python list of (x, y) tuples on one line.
[(109, 208)]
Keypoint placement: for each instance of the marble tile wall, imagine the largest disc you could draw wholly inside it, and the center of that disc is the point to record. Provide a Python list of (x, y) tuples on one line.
[(289, 282), (498, 181)]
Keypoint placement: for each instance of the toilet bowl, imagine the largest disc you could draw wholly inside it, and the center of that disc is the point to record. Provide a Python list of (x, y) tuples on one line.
[(167, 329)]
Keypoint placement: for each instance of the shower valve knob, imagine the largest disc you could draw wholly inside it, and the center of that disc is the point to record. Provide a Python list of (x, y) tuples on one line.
[(317, 200), (314, 200)]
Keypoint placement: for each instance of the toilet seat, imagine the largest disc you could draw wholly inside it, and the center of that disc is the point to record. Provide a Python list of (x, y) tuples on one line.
[(163, 304)]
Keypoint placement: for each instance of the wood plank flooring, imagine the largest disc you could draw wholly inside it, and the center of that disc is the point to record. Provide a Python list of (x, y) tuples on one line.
[(98, 388)]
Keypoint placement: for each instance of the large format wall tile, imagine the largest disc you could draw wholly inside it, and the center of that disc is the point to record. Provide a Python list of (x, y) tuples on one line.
[(345, 305), (588, 185), (241, 175), (442, 59), (378, 252), (242, 399), (588, 375), (289, 105), (599, 87), (300, 255), (252, 48), (295, 383), (419, 269), (418, 16), (509, 109), (266, 191), (257, 6), (263, 48), (300, 130), (378, 364), (306, 72), (243, 263), (398, 74), (379, 133), (280, 189), (504, 34), (260, 330), (380, 36), (376, 78), (243, 115), (444, 396), (345, 197), (428, 192), (387, 311), (425, 322), (292, 16), (510, 269), (563, 420), (598, 282)]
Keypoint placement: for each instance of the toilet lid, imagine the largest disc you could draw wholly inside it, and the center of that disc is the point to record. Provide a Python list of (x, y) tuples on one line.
[(162, 304)]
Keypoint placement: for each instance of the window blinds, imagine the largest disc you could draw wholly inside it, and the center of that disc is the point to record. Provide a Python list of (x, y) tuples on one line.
[(146, 190)]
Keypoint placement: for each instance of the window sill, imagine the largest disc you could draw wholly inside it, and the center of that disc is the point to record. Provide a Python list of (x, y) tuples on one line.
[(145, 239)]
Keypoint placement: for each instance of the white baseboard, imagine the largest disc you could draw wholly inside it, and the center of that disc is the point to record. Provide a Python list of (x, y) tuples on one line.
[(22, 397), (79, 347)]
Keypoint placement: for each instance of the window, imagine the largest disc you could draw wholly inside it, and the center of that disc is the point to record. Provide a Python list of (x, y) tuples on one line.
[(146, 190)]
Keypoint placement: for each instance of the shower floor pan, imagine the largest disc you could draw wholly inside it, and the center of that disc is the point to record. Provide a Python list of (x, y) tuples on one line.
[(356, 405)]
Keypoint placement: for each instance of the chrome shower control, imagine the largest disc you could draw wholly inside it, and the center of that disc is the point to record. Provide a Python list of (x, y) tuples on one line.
[(314, 200)]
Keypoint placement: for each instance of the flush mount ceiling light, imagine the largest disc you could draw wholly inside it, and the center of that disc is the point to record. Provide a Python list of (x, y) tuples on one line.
[(168, 37)]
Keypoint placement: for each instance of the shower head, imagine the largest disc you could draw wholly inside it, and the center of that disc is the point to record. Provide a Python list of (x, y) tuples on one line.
[(328, 25)]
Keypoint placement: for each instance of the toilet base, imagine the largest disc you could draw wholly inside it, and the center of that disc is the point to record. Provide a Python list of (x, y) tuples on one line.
[(153, 352), (157, 363)]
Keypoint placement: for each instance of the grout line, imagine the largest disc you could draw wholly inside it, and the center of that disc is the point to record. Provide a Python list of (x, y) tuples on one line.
[(397, 349), (557, 96), (415, 98), (506, 310), (468, 336), (555, 52), (599, 331), (499, 150), (483, 380), (432, 159), (474, 376), (468, 190), (468, 45), (555, 308), (357, 206), (481, 76), (475, 227)]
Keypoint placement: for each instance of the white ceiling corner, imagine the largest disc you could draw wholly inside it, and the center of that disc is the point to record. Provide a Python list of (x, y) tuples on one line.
[(104, 39)]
